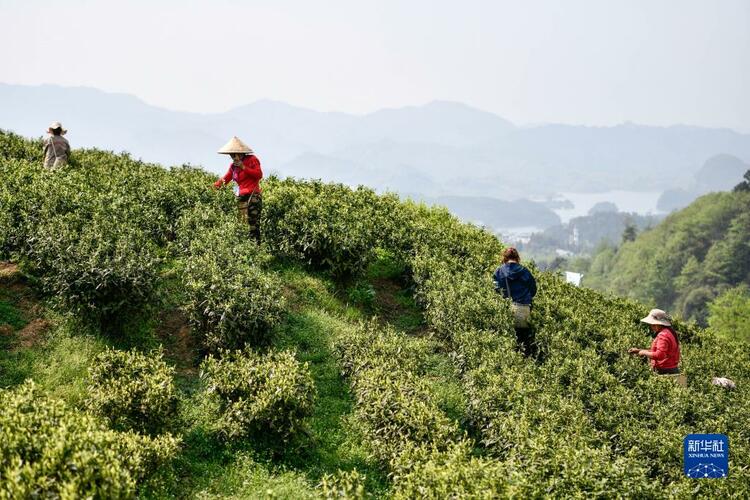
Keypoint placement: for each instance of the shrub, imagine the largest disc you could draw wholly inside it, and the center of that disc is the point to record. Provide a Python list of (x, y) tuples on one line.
[(52, 451), (395, 409), (259, 393), (372, 345), (431, 473), (349, 485), (456, 300), (134, 391), (99, 269), (395, 404), (414, 229), (18, 199), (729, 314), (230, 300), (329, 226), (18, 147)]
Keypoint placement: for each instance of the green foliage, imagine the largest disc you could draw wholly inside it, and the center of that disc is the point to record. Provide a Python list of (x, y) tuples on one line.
[(270, 393), (729, 314), (362, 294), (50, 450), (230, 300), (395, 406), (427, 472), (629, 233), (583, 420), (14, 146), (743, 186), (9, 315), (344, 484), (134, 391), (457, 299), (703, 246), (587, 386), (327, 225), (98, 269), (17, 178)]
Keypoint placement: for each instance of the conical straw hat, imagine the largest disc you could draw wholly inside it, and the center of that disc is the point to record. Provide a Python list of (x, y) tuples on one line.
[(235, 146)]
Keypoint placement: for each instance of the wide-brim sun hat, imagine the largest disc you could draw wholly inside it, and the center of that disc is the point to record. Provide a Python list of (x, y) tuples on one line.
[(235, 145), (54, 126), (657, 317)]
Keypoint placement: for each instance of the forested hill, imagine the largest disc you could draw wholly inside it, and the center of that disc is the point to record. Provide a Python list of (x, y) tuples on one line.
[(149, 349), (687, 260)]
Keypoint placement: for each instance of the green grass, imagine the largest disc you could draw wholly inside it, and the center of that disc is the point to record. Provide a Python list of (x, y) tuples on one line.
[(10, 315), (15, 365), (333, 442)]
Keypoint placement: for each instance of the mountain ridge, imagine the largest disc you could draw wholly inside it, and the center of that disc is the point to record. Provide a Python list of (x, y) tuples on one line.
[(488, 155)]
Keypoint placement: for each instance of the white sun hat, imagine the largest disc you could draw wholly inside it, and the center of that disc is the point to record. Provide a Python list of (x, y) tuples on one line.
[(56, 125), (235, 145), (723, 382), (657, 317)]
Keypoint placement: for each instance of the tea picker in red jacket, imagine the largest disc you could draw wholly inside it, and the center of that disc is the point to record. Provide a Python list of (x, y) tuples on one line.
[(665, 348), (246, 173)]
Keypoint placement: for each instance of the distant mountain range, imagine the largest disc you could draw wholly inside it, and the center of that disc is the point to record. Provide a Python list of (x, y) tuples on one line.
[(438, 149), (718, 173)]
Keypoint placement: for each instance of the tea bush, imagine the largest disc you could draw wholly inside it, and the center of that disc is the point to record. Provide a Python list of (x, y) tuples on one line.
[(426, 472), (604, 400), (269, 393), (134, 391), (230, 300), (583, 420), (98, 269), (395, 405), (413, 229), (48, 450), (347, 485), (13, 146), (328, 226), (17, 199)]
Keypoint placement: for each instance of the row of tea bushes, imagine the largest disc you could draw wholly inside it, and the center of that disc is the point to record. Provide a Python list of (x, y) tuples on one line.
[(425, 451), (576, 419), (394, 403), (230, 299), (329, 226), (100, 232)]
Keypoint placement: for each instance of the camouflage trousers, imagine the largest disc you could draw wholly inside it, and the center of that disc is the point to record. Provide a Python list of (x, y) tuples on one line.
[(249, 207)]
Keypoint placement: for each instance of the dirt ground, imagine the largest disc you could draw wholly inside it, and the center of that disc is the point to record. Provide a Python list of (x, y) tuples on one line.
[(179, 342), (16, 291)]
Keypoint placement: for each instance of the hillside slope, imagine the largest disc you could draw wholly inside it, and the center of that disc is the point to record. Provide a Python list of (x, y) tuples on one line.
[(361, 351), (685, 261)]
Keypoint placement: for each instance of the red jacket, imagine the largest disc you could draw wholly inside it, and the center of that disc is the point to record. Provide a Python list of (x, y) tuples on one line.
[(666, 350), (247, 178)]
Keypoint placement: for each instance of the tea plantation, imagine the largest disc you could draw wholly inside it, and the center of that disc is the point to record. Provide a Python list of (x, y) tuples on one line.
[(149, 349)]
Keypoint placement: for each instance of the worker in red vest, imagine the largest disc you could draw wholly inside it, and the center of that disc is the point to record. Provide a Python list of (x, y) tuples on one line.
[(665, 348)]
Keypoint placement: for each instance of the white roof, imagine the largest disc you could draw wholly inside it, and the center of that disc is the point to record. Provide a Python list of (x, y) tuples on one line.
[(573, 278)]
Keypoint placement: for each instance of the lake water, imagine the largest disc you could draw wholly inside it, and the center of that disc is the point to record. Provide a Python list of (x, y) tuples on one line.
[(640, 202)]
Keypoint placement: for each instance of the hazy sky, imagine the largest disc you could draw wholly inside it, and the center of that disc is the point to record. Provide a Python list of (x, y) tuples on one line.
[(595, 62)]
